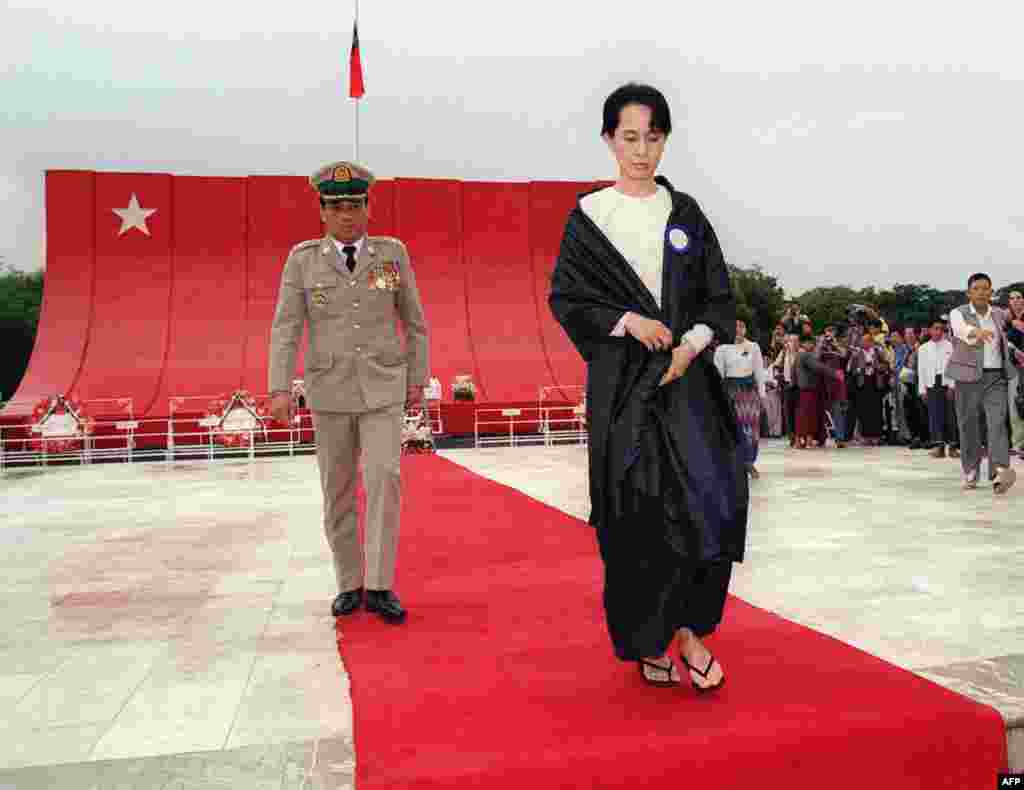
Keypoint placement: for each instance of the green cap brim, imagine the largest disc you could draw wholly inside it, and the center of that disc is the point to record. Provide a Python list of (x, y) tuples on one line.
[(355, 187)]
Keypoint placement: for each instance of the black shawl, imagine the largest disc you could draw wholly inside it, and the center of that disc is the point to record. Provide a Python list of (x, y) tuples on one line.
[(689, 423)]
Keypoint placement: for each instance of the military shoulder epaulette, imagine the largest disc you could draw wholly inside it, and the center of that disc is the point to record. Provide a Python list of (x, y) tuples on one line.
[(304, 244), (387, 240)]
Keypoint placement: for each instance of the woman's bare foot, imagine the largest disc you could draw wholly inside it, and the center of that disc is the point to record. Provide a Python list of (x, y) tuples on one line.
[(698, 656), (660, 670)]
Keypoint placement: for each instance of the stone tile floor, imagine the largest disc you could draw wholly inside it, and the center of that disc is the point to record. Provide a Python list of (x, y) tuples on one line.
[(166, 625)]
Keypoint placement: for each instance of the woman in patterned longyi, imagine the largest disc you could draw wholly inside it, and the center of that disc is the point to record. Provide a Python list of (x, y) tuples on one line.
[(742, 369)]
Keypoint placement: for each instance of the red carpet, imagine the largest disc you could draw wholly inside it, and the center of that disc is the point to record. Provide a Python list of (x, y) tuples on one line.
[(503, 677)]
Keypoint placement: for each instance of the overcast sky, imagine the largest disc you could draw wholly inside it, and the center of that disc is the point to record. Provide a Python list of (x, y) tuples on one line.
[(862, 143)]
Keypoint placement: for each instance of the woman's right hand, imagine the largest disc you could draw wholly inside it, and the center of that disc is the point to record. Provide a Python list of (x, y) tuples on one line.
[(682, 356), (653, 334)]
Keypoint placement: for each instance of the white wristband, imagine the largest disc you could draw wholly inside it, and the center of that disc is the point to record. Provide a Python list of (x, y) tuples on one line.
[(699, 337)]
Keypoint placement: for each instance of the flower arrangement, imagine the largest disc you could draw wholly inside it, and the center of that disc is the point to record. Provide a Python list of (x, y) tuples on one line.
[(416, 435), (238, 416), (60, 425)]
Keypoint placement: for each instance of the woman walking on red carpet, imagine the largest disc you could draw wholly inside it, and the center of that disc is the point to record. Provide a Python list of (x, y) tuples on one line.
[(641, 289)]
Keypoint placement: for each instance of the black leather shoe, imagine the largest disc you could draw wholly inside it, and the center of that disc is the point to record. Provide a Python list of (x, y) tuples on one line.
[(386, 604), (347, 602)]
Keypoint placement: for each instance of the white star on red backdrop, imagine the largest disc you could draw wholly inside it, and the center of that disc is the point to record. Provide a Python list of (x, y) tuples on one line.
[(134, 216)]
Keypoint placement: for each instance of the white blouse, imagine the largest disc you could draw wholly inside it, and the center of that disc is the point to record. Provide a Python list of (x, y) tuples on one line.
[(739, 360), (636, 226)]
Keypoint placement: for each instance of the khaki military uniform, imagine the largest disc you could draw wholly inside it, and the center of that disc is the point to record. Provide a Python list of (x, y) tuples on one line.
[(356, 375)]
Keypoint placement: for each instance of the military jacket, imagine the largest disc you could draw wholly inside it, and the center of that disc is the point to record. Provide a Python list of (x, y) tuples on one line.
[(355, 360)]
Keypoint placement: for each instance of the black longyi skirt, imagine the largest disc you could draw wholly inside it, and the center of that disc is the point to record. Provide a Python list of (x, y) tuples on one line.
[(650, 592), (662, 571)]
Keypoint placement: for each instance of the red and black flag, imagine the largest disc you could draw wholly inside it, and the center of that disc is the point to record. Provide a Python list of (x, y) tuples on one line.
[(356, 88)]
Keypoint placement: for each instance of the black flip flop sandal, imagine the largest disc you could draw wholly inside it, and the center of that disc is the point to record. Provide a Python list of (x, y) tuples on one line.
[(696, 686), (666, 671)]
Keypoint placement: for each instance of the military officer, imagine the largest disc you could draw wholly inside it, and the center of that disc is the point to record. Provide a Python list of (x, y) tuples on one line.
[(349, 288)]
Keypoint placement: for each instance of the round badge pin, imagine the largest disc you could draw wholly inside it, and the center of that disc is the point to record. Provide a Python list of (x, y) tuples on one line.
[(678, 238)]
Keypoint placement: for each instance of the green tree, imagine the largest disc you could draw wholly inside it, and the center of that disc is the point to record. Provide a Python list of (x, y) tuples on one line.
[(21, 296), (918, 304), (829, 305), (905, 304)]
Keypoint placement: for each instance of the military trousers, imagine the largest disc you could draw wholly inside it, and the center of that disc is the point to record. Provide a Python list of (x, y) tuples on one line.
[(345, 442)]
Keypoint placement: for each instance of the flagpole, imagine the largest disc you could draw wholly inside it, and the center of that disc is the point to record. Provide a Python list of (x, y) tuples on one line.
[(357, 100)]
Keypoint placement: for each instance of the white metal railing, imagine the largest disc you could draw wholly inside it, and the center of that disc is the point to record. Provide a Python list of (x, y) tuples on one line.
[(194, 430), (497, 426), (572, 392), (36, 432), (189, 431), (159, 439), (512, 427), (564, 424), (434, 416)]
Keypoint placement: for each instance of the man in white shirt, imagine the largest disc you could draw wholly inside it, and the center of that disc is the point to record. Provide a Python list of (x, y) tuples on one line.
[(982, 363), (936, 389)]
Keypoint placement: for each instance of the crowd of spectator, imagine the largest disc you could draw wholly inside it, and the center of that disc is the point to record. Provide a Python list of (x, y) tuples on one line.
[(867, 382)]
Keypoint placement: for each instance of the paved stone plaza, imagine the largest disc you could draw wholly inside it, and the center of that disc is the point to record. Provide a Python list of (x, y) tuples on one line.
[(167, 625)]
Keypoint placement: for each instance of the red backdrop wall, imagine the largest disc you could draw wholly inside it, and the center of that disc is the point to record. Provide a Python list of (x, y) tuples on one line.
[(186, 310)]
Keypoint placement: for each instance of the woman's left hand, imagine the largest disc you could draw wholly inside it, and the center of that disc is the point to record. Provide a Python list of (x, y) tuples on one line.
[(682, 356)]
